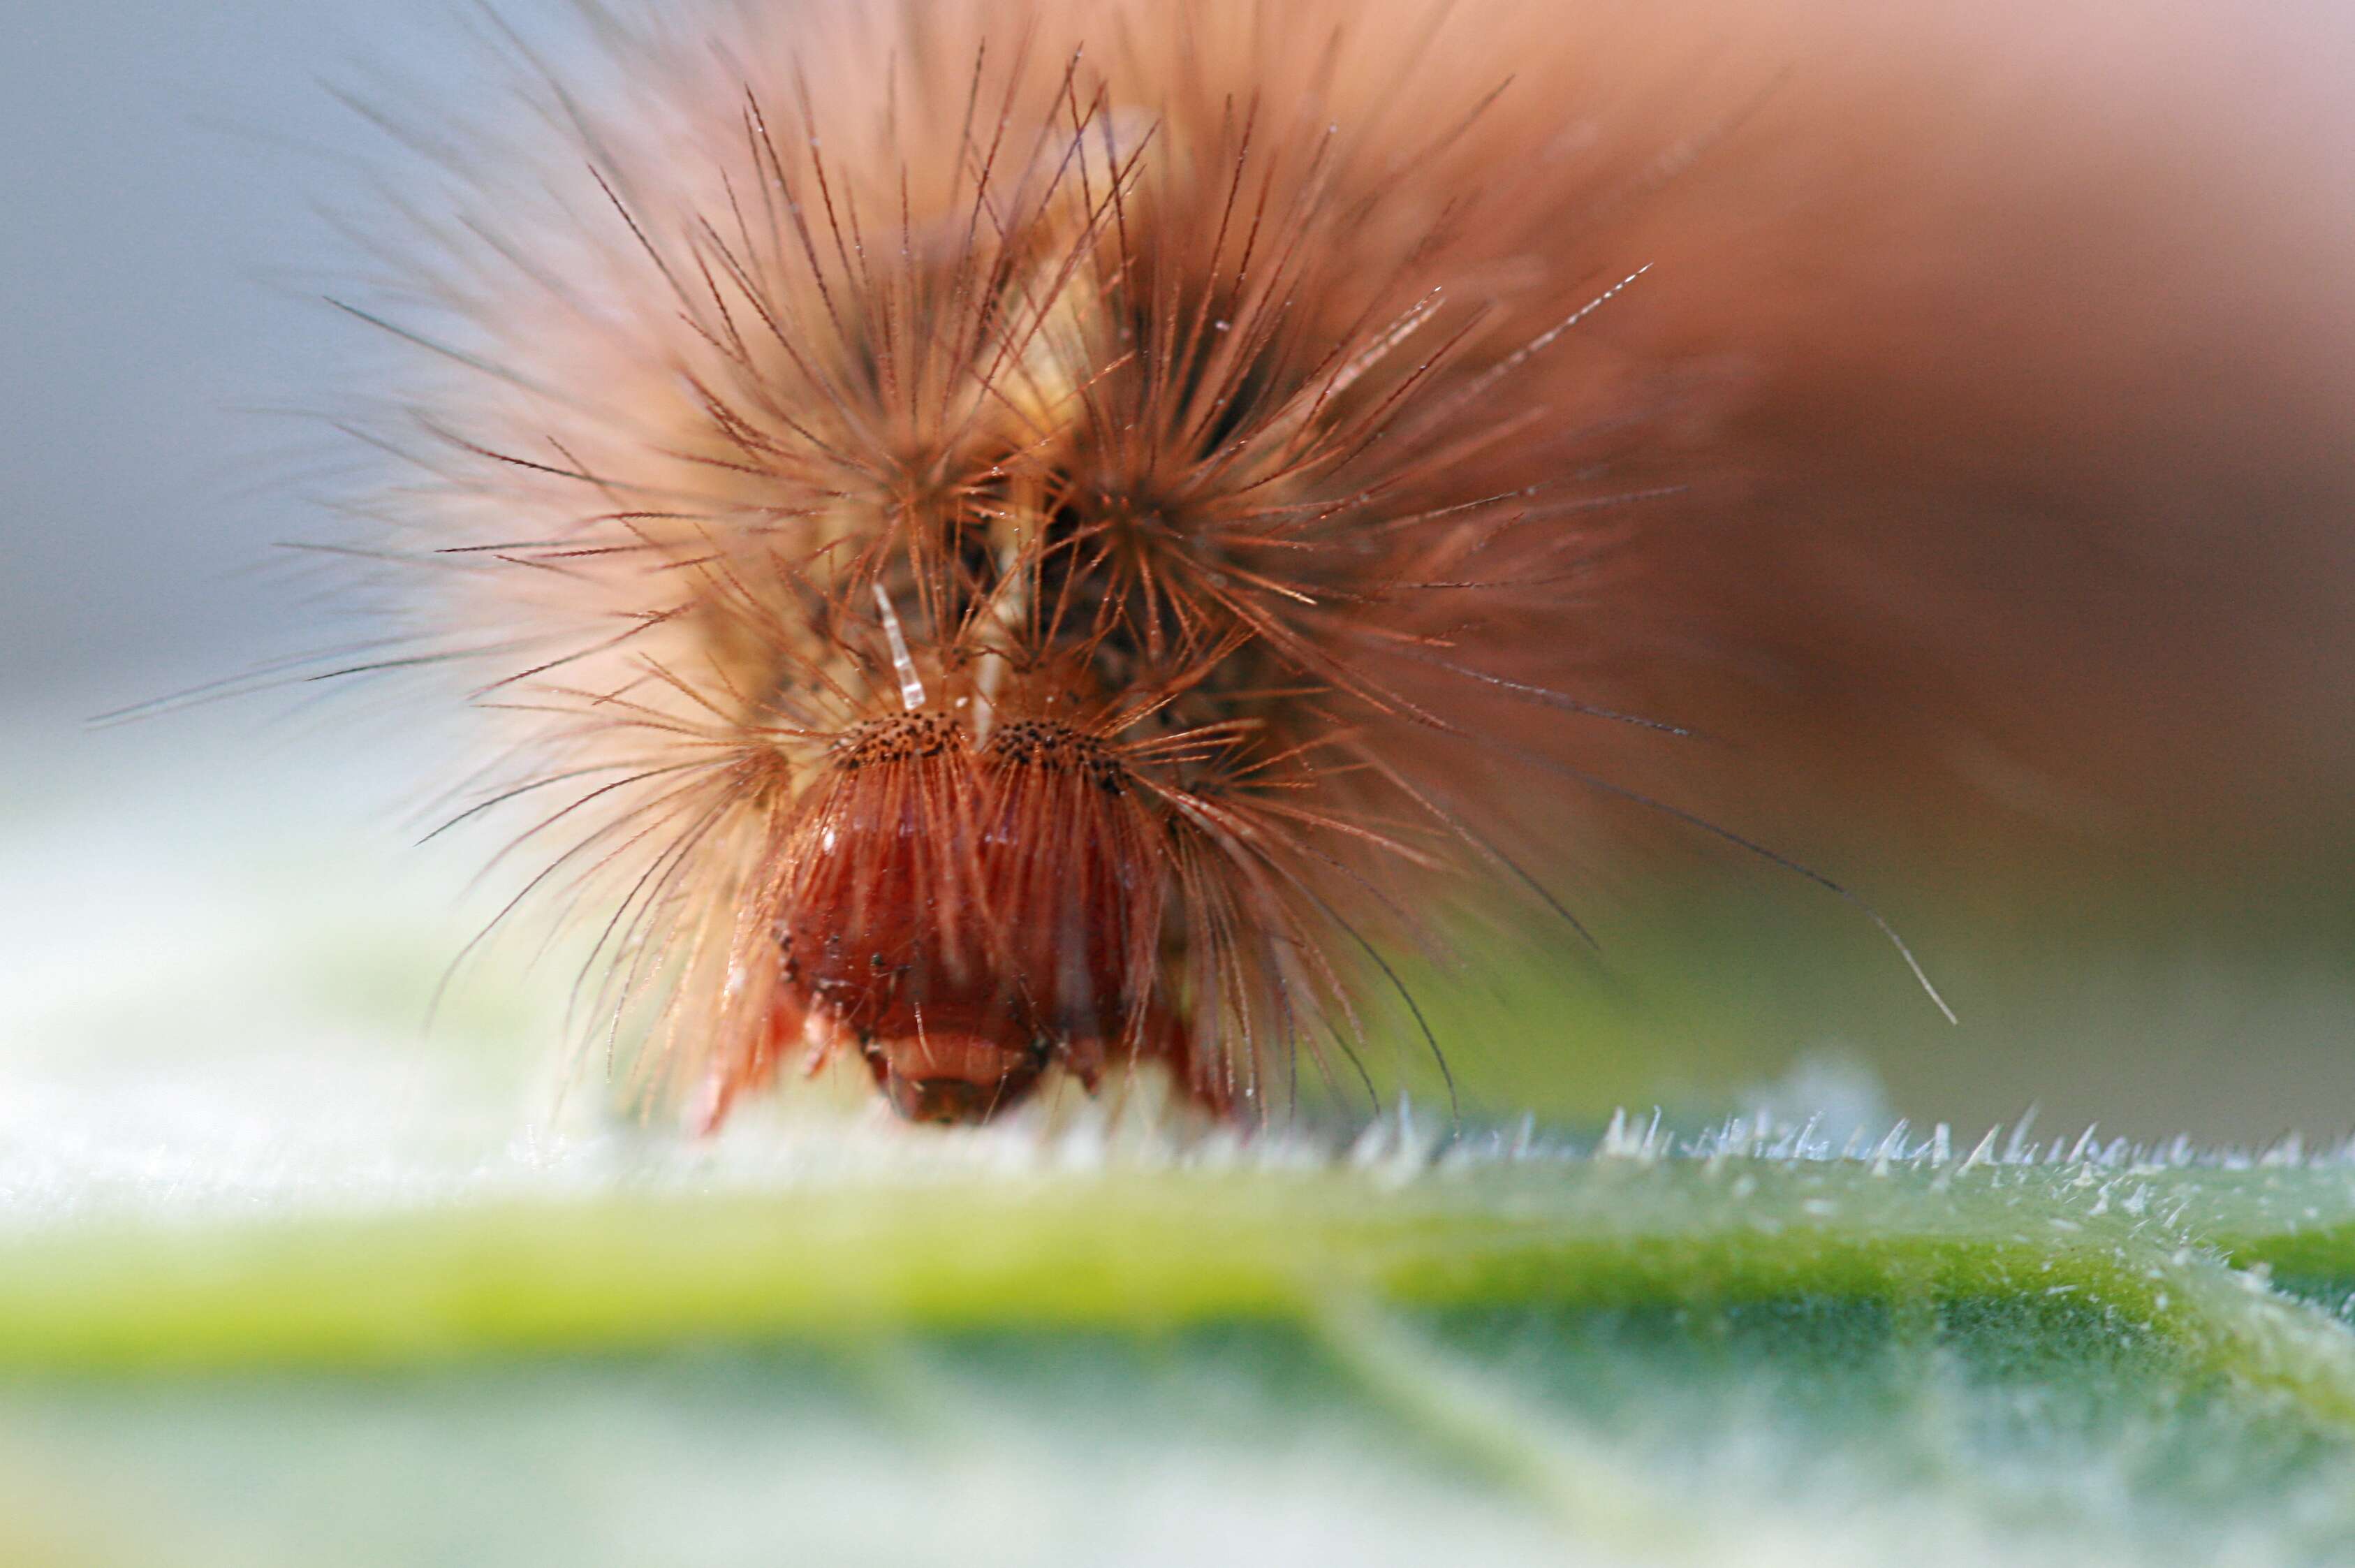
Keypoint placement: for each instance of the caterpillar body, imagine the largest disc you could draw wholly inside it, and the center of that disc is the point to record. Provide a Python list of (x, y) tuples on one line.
[(1017, 541)]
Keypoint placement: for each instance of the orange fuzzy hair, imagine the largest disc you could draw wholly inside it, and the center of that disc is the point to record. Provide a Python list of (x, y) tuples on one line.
[(1032, 538)]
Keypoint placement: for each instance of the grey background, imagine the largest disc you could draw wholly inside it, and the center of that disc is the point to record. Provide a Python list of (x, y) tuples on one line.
[(161, 267)]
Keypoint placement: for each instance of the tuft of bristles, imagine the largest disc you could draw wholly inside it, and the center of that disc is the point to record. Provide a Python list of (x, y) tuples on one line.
[(1018, 540)]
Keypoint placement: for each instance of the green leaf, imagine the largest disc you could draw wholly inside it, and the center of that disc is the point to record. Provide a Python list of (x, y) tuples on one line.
[(1740, 1351)]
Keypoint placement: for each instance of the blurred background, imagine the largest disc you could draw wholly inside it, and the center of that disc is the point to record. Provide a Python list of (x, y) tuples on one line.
[(2024, 344)]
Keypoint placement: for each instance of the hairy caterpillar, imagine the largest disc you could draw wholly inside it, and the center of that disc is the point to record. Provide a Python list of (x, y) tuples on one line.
[(1010, 540)]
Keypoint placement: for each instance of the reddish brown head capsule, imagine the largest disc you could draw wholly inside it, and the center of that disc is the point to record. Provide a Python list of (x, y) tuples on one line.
[(963, 919)]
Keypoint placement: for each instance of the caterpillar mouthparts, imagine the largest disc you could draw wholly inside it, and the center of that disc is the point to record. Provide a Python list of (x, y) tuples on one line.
[(1026, 540)]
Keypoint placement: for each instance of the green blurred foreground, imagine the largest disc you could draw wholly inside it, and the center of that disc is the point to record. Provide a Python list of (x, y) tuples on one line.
[(1727, 1350)]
